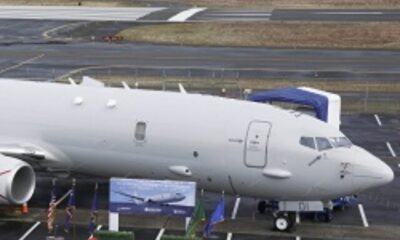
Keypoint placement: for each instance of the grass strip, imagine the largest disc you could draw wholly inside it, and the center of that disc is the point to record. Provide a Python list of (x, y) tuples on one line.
[(271, 34)]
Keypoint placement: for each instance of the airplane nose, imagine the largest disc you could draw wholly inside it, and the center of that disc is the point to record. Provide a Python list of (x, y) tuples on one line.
[(372, 172), (386, 173)]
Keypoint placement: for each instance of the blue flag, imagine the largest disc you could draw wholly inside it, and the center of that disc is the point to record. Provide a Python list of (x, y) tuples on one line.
[(216, 217), (70, 210), (93, 213)]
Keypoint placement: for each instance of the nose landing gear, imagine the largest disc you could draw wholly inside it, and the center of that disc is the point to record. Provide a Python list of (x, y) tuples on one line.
[(261, 207), (284, 222)]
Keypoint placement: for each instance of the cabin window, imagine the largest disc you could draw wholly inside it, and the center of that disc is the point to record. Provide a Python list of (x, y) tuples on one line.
[(323, 143), (140, 131), (307, 142)]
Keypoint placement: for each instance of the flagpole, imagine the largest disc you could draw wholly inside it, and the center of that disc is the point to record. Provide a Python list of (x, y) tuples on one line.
[(53, 189), (93, 212), (73, 219)]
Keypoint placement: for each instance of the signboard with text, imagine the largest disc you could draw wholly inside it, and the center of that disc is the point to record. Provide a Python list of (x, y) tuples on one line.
[(141, 196)]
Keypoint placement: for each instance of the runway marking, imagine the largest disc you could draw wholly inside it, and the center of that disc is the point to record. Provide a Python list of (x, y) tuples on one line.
[(160, 233), (47, 33), (378, 120), (298, 222), (99, 227), (233, 217), (349, 13), (389, 146), (75, 13), (21, 63), (363, 216), (184, 15), (30, 230)]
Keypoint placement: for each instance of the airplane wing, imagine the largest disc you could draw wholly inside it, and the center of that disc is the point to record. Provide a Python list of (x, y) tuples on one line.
[(40, 158), (130, 196), (22, 152)]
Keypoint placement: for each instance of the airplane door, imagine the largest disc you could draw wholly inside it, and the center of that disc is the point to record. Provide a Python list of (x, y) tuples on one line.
[(256, 147)]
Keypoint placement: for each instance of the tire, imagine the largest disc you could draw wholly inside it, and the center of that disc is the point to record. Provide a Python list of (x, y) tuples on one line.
[(282, 223), (262, 206)]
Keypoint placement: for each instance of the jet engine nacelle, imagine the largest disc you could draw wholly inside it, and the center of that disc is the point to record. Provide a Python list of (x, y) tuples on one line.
[(17, 181)]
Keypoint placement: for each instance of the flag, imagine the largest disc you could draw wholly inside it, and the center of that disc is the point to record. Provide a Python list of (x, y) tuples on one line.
[(70, 210), (216, 217), (51, 211), (198, 216), (93, 213)]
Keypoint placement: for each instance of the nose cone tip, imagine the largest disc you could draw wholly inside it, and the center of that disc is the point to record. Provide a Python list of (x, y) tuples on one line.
[(387, 174)]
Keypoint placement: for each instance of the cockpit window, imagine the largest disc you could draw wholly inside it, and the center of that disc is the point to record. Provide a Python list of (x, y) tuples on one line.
[(307, 142), (340, 142), (323, 143)]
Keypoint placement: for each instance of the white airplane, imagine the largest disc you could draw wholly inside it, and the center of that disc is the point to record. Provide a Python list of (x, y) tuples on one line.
[(162, 199), (239, 147)]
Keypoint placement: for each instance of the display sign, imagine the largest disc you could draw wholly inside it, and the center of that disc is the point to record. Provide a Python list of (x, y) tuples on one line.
[(140, 196)]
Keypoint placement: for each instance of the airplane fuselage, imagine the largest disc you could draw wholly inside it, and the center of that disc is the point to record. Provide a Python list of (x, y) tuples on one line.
[(240, 147)]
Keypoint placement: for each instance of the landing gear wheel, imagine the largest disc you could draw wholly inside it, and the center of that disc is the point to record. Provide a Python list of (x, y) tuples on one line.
[(283, 223), (262, 206)]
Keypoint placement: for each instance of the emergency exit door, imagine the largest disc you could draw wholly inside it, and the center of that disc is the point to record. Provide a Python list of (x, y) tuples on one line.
[(256, 148)]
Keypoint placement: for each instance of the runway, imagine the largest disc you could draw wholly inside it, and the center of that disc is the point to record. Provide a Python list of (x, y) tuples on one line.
[(185, 14)]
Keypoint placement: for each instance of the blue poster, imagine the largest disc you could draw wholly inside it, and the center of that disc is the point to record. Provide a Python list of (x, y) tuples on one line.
[(141, 196)]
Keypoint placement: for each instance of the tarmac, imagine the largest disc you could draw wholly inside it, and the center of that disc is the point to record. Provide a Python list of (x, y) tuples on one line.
[(42, 50)]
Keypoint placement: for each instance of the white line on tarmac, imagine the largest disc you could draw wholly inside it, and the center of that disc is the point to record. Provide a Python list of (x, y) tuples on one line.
[(235, 208), (389, 146), (99, 227), (349, 13), (378, 120), (298, 222), (21, 64), (74, 13), (160, 234), (363, 216), (49, 32), (234, 214), (30, 230), (184, 15)]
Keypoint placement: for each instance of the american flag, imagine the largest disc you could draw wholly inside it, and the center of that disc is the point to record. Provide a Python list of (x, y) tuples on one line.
[(70, 210), (93, 213), (51, 212)]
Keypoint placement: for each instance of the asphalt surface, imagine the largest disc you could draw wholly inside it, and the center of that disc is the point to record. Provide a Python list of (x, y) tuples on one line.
[(26, 53), (150, 60), (333, 15), (166, 14)]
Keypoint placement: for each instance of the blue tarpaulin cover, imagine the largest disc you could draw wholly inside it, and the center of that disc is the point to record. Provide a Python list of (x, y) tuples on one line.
[(295, 95)]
